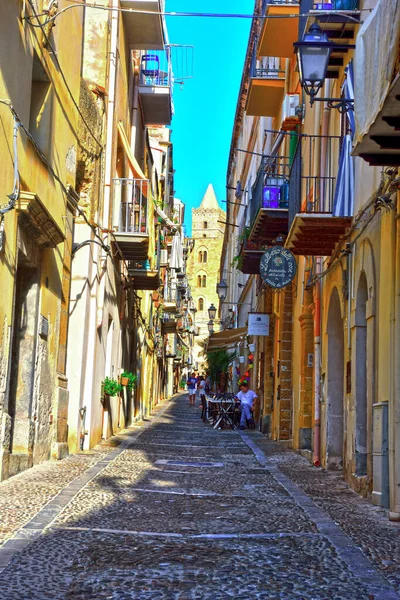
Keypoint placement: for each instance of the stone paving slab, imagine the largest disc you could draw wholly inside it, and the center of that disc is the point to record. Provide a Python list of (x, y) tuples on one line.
[(184, 512), (89, 565), (354, 556), (31, 490), (132, 527)]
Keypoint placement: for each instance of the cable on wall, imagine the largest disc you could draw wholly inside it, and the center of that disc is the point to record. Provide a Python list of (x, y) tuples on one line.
[(50, 46)]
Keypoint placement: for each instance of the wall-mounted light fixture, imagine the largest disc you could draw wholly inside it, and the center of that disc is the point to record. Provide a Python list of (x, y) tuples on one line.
[(313, 54)]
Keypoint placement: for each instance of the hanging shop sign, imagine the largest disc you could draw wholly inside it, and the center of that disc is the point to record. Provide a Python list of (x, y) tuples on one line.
[(277, 267), (258, 324)]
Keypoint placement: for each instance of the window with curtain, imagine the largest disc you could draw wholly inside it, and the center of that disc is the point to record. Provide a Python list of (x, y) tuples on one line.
[(200, 305), (204, 281), (205, 256), (198, 280), (200, 259)]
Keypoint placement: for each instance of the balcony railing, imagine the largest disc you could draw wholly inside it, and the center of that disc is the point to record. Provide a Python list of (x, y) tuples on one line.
[(266, 86), (155, 86), (308, 5), (266, 68), (342, 5), (155, 68), (281, 2), (131, 197), (312, 180), (317, 221), (270, 190)]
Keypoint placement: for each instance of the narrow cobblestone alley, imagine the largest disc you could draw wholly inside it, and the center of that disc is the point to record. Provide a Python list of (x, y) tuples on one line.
[(181, 511)]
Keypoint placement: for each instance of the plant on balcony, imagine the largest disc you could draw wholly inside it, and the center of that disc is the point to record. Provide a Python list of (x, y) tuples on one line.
[(244, 235), (129, 379), (237, 261), (111, 387)]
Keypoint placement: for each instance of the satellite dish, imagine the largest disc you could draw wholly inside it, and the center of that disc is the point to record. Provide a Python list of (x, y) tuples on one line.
[(239, 191)]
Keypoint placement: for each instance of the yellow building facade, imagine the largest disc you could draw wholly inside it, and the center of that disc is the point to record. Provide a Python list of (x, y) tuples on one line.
[(87, 174), (327, 373), (38, 163)]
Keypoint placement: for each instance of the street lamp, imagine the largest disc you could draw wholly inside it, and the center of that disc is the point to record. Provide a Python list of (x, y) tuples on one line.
[(313, 54), (212, 312), (222, 289), (210, 327)]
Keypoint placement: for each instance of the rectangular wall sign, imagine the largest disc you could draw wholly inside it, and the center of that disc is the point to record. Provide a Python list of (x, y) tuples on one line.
[(258, 324)]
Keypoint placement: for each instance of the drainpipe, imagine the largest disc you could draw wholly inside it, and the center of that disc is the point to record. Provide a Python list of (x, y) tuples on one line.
[(394, 512), (110, 111), (317, 307), (108, 150), (135, 102)]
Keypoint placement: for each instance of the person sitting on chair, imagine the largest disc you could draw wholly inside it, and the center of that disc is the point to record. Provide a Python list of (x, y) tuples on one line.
[(246, 398)]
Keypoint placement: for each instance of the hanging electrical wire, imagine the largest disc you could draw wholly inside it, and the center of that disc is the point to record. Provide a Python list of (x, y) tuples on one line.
[(44, 159), (54, 55), (191, 14)]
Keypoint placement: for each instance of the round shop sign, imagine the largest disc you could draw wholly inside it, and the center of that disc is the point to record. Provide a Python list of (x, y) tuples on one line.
[(277, 267)]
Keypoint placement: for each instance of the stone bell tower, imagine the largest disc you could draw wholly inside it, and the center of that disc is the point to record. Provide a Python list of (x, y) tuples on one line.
[(204, 263)]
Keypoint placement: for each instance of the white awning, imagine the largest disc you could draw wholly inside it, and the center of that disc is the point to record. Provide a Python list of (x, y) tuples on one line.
[(176, 260), (226, 338), (165, 219)]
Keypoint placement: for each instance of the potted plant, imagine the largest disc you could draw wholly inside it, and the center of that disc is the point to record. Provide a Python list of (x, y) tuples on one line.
[(111, 387), (128, 379)]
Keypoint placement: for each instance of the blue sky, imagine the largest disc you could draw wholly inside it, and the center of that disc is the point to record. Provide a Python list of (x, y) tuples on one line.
[(205, 108)]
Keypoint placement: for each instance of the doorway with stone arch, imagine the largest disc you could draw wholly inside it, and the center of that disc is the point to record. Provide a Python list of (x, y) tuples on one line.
[(335, 385)]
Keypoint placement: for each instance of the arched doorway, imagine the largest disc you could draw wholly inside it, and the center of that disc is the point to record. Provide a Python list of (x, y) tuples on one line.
[(361, 445), (335, 387)]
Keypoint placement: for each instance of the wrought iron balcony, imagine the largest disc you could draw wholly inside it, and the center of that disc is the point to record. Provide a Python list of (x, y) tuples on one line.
[(169, 323), (278, 35), (268, 206), (339, 19), (171, 303), (143, 276), (144, 29), (266, 86), (131, 217), (155, 86), (249, 257), (316, 222)]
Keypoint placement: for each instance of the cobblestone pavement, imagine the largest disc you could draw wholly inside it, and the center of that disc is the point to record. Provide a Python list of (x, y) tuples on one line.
[(185, 512)]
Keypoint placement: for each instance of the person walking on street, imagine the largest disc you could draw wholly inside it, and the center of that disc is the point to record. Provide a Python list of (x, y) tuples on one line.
[(191, 386), (247, 398)]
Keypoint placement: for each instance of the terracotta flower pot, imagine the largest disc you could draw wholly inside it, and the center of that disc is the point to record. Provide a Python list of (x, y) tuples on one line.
[(124, 381)]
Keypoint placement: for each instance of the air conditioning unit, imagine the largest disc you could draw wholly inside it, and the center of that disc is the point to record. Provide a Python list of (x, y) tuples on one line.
[(290, 103)]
